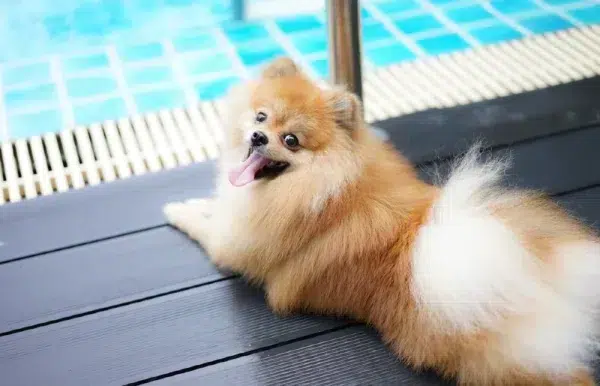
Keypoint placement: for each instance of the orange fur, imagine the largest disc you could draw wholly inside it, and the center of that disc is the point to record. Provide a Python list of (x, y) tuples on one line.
[(347, 251)]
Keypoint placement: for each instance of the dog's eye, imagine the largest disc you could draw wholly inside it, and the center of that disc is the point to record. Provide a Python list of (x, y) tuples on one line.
[(261, 117), (291, 141)]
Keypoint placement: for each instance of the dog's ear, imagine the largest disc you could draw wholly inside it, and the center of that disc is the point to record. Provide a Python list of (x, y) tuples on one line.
[(346, 108), (281, 67)]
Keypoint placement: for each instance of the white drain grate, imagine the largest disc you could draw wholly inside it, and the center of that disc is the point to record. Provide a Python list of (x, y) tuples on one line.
[(104, 152)]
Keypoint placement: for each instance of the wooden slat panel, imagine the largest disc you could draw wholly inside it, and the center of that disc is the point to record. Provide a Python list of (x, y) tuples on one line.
[(104, 274), (70, 152), (101, 149), (116, 150), (193, 144), (132, 149), (147, 146), (41, 165), (10, 170), (172, 132), (87, 155), (26, 168), (163, 147)]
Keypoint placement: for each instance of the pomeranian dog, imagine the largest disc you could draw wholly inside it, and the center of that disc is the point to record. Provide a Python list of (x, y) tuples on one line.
[(484, 285)]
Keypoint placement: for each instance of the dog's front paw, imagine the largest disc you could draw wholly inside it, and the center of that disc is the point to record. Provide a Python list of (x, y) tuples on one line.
[(176, 213), (191, 217)]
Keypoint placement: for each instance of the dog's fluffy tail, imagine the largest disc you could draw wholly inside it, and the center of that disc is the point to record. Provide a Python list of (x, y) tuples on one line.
[(473, 270)]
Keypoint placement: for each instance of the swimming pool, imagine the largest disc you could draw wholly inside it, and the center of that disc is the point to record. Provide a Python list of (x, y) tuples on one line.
[(87, 61)]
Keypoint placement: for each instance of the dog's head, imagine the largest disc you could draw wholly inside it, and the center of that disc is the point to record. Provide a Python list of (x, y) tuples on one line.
[(287, 125)]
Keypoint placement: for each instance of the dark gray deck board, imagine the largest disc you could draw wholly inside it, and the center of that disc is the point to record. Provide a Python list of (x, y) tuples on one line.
[(185, 330), (584, 204), (130, 205), (552, 164), (353, 356), (444, 132), (98, 275), (80, 216), (150, 338)]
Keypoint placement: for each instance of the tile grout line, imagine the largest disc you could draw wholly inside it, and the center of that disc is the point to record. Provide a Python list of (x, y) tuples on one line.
[(232, 53), (209, 76), (579, 4), (511, 22), (287, 45), (558, 11), (117, 70), (68, 114), (449, 24), (180, 77), (387, 23)]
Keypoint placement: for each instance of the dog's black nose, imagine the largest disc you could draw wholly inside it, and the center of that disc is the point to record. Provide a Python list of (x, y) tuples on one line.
[(259, 138)]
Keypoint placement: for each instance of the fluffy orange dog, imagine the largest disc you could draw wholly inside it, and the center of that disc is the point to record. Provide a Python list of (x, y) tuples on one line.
[(481, 284)]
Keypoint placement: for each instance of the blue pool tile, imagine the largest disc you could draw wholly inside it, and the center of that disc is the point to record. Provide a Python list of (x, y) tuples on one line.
[(243, 33), (446, 2), (386, 55), (30, 96), (57, 27), (180, 3), (257, 55), (494, 34), (417, 24), (299, 23), (469, 14), (87, 19), (321, 67), (365, 15), (201, 41), (40, 122), (28, 73), (90, 86), (159, 99), (139, 52), (559, 2), (587, 15), (311, 44), (375, 32), (393, 6), (443, 44), (546, 23), (514, 6), (215, 89), (84, 63), (205, 64), (99, 111), (137, 76)]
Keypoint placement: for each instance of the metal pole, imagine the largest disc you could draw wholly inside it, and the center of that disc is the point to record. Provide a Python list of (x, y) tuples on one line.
[(239, 10), (345, 51)]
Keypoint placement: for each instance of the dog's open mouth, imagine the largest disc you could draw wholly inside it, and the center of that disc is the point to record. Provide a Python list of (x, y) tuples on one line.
[(254, 167)]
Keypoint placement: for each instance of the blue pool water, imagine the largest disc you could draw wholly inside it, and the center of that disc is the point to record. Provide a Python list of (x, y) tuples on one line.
[(81, 61)]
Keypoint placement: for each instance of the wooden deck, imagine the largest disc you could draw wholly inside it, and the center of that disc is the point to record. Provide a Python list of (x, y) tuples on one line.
[(95, 288)]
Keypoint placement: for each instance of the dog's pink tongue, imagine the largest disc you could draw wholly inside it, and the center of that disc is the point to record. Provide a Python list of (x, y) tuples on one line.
[(245, 172)]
